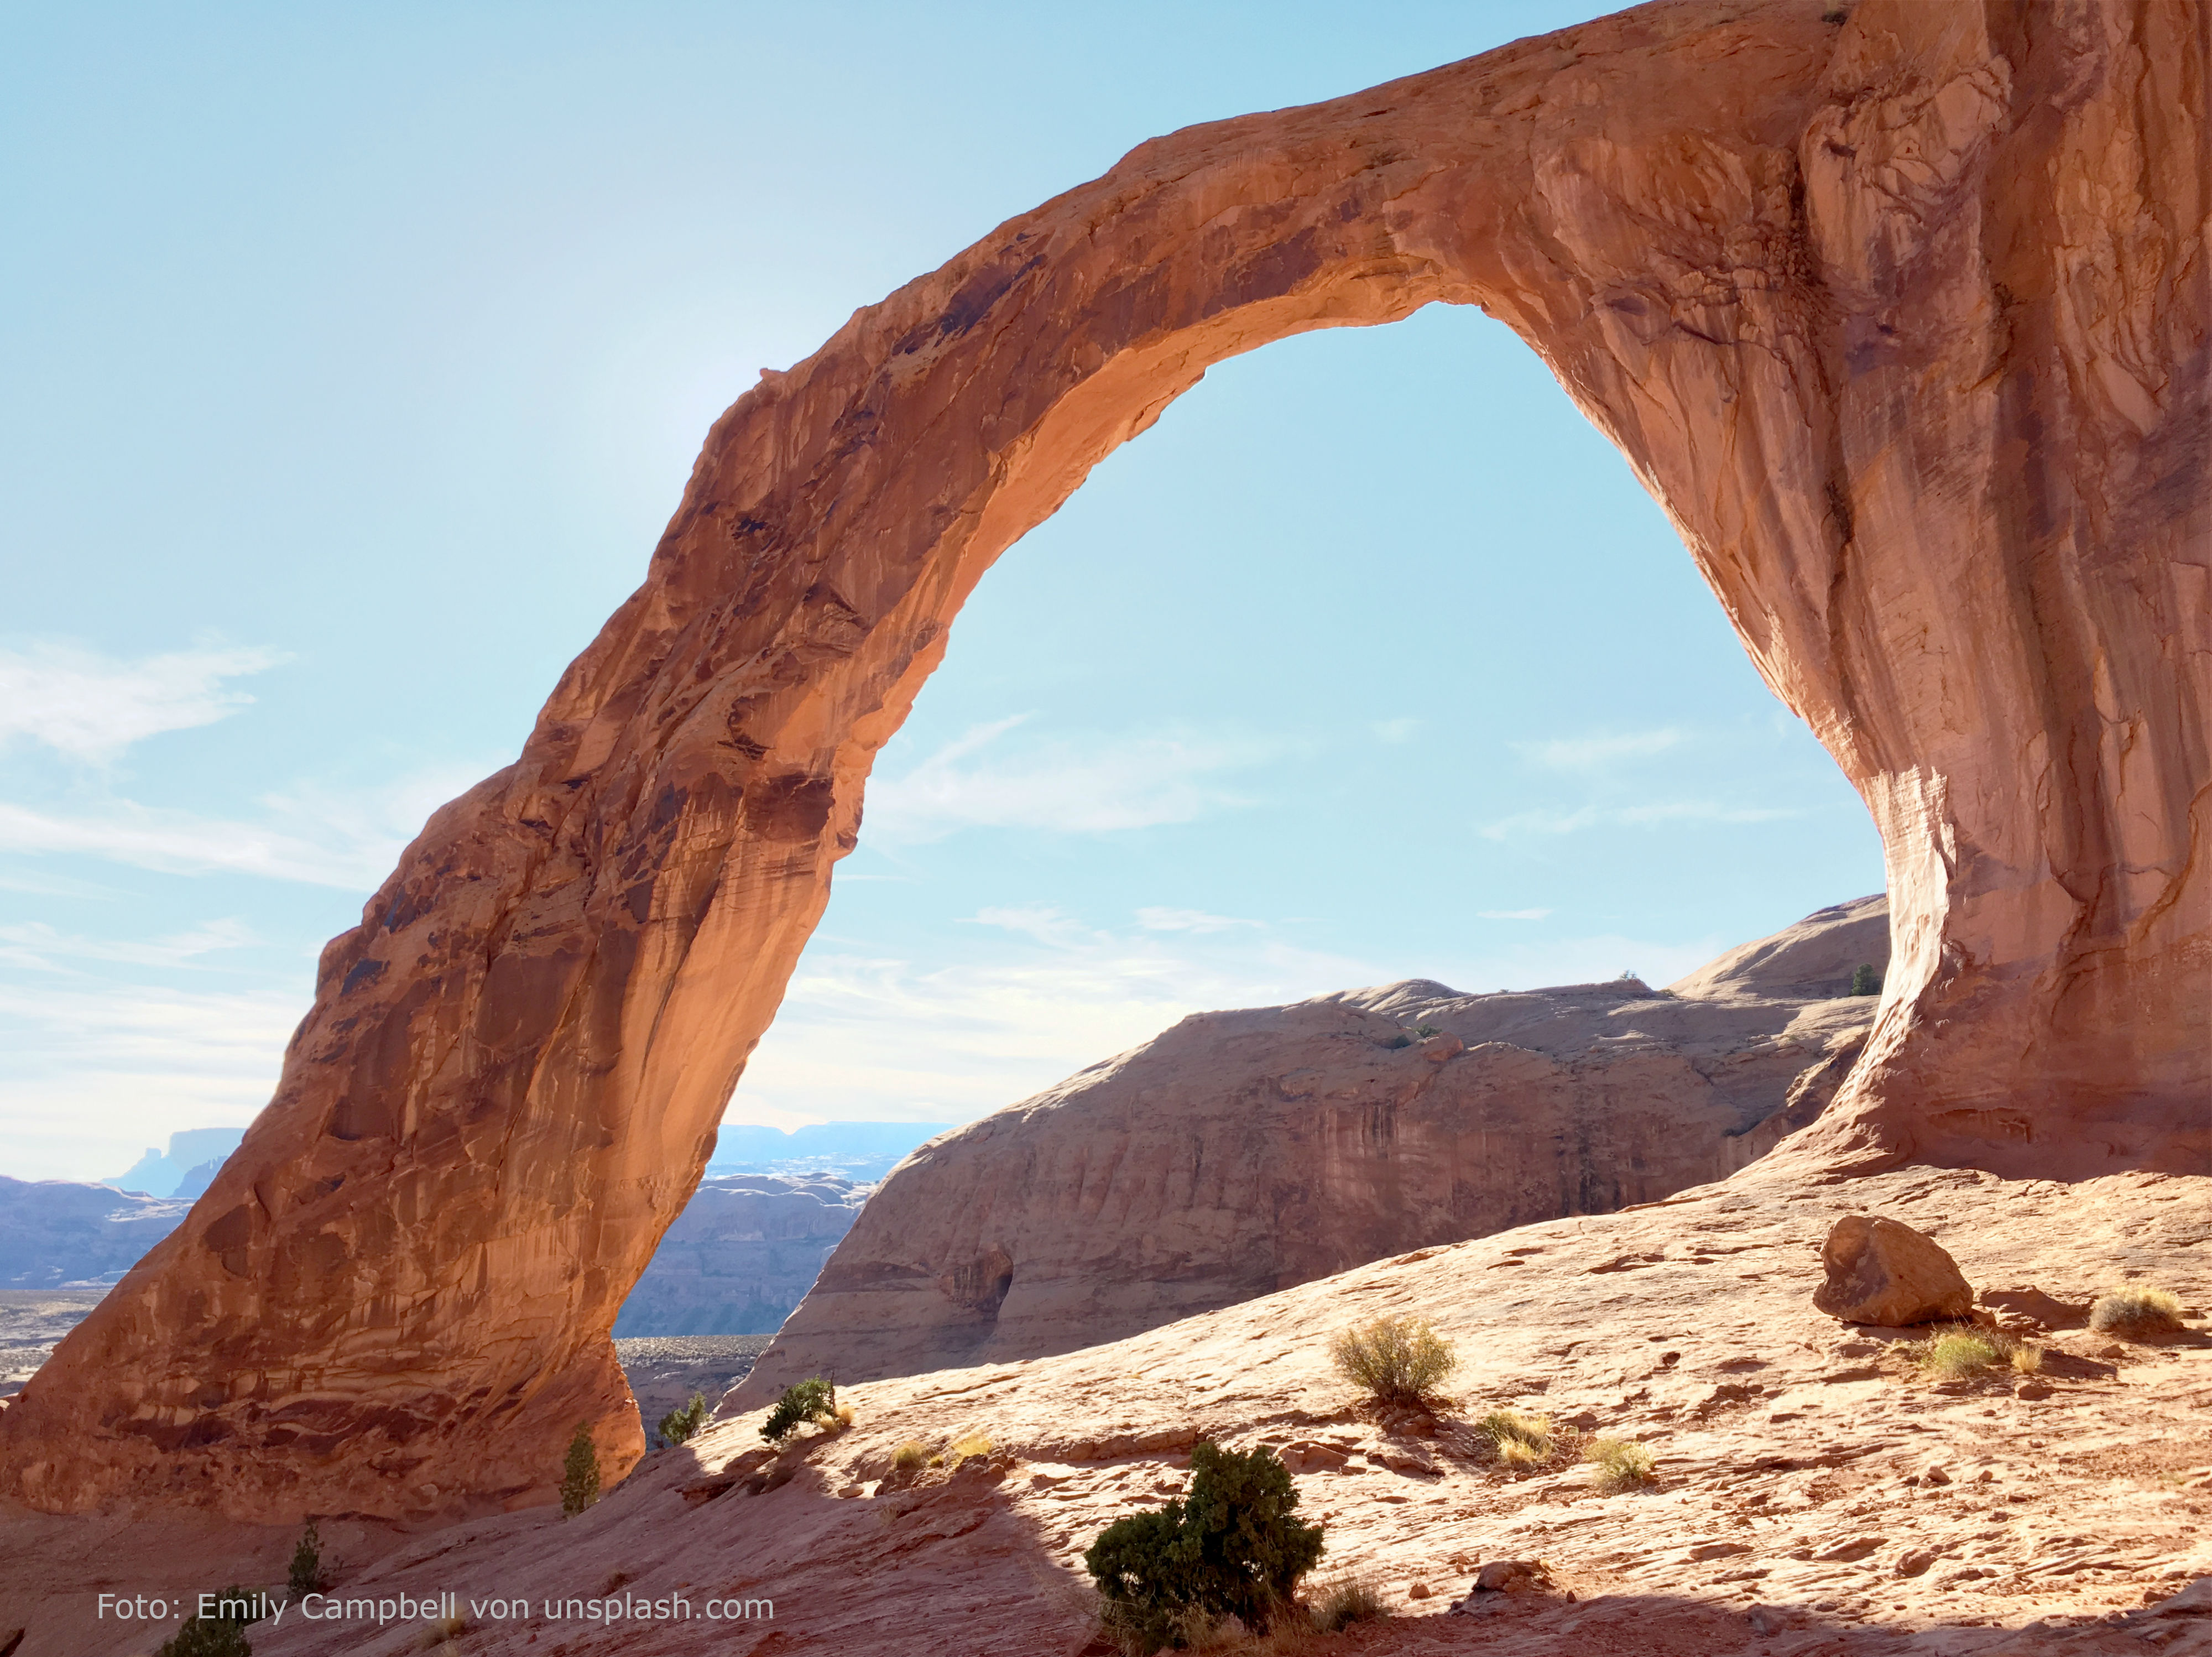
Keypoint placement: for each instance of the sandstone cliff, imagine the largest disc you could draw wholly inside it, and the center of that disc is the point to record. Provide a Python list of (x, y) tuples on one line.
[(1900, 311), (1242, 1153)]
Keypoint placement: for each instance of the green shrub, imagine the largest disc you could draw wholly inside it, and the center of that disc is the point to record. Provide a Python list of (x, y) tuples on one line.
[(1520, 1441), (1395, 1359), (1422, 1031), (807, 1400), (1229, 1548), (306, 1575), (1347, 1601), (1622, 1464), (579, 1474), (222, 1633), (1865, 981), (909, 1455), (678, 1425), (2136, 1312)]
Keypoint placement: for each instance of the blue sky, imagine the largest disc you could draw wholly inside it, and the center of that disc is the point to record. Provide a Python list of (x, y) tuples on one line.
[(354, 358)]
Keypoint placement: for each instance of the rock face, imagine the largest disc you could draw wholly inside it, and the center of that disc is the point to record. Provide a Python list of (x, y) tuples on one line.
[(1881, 1271), (1242, 1153), (744, 1252), (54, 1232), (1900, 315)]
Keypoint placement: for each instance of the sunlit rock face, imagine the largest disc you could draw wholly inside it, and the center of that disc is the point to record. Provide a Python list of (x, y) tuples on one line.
[(1242, 1153), (1901, 317)]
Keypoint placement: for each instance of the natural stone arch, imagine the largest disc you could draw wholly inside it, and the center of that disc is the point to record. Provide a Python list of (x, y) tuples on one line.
[(1820, 282)]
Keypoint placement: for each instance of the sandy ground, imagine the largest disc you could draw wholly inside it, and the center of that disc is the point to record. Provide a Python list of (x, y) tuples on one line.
[(1816, 1491)]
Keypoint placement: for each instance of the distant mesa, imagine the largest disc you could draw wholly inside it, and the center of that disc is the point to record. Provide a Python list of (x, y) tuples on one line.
[(66, 1233), (186, 1169), (858, 1151), (743, 1253)]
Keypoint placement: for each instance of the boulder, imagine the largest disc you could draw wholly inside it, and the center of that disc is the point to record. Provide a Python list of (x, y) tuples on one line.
[(1882, 1271)]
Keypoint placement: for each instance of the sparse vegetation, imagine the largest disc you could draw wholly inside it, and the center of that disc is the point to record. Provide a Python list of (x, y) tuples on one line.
[(306, 1575), (1422, 1031), (1964, 1352), (814, 1400), (1621, 1464), (677, 1425), (845, 1415), (1230, 1547), (1523, 1441), (579, 1474), (976, 1444), (1395, 1359), (1337, 1605), (443, 1631), (2136, 1312), (222, 1634), (1865, 981), (909, 1455)]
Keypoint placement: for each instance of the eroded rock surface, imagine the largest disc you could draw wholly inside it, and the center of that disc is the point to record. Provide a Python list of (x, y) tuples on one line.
[(1898, 309), (1240, 1153)]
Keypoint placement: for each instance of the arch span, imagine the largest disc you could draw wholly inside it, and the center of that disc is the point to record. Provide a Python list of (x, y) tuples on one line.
[(1902, 320)]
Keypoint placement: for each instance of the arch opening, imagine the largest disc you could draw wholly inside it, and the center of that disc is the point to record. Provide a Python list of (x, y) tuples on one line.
[(1865, 413)]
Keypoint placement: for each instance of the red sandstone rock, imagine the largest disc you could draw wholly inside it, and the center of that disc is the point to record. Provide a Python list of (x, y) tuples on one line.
[(1882, 1271), (1902, 317)]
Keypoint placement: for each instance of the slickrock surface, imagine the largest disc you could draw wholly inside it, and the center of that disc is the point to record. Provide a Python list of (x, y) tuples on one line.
[(1241, 1153), (1900, 309), (745, 1251), (1815, 1492)]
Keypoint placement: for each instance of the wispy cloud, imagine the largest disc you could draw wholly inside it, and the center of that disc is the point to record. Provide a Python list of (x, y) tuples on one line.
[(1396, 730), (1041, 922), (1512, 914), (1099, 786), (1643, 816), (97, 1073), (1585, 753), (865, 1034), (92, 707), (318, 835), (39, 946), (1188, 920)]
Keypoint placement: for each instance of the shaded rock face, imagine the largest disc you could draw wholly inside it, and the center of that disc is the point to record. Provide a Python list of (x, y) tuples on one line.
[(1242, 1152), (54, 1232), (744, 1252), (1882, 1271), (1900, 316)]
